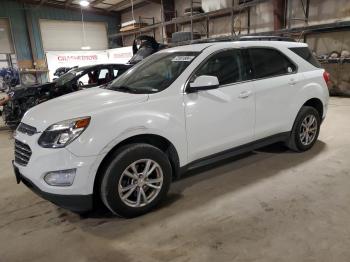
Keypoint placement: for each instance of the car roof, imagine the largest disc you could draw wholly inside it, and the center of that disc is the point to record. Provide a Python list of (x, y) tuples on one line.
[(234, 44), (102, 65)]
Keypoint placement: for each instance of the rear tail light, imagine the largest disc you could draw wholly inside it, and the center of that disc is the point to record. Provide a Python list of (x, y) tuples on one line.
[(326, 77)]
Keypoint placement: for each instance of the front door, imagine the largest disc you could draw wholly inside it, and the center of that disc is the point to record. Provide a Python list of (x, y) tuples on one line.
[(223, 118)]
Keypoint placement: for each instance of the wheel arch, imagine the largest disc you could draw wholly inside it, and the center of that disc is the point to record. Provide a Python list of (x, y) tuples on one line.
[(155, 140), (315, 103)]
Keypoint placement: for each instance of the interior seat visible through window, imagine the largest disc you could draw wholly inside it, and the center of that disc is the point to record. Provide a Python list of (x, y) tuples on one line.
[(226, 66), (268, 62)]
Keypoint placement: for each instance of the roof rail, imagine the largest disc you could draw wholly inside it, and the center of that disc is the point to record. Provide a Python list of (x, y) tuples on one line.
[(266, 38), (230, 39)]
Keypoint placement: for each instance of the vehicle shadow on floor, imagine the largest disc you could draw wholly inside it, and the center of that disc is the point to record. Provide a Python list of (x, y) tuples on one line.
[(202, 185)]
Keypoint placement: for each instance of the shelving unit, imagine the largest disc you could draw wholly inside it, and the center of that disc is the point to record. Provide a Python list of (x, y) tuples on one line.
[(296, 32), (182, 20), (138, 31)]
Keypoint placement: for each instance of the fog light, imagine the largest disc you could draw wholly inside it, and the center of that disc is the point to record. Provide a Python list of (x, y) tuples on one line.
[(60, 178)]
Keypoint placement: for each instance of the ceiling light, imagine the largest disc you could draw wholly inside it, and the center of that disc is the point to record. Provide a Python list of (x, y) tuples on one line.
[(84, 3), (85, 47)]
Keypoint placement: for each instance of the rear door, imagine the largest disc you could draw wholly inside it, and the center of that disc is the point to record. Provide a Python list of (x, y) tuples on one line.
[(275, 81)]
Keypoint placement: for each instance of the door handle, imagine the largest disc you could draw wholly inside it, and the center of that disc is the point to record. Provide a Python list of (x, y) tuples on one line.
[(292, 82), (245, 94)]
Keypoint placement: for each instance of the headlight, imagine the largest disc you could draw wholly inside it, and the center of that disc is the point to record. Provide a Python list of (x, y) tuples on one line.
[(63, 133)]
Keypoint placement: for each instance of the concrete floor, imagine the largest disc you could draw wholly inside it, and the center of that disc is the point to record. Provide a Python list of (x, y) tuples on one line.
[(270, 205)]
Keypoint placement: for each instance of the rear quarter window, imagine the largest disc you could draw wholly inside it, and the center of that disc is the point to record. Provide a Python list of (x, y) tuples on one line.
[(305, 53)]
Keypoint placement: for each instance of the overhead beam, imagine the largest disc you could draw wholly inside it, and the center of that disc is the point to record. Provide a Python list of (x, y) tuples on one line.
[(125, 3), (68, 2), (96, 2), (154, 1), (72, 7), (42, 2), (136, 6)]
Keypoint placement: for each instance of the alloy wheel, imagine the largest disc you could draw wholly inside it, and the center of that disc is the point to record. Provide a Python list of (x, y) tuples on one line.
[(140, 183), (308, 130)]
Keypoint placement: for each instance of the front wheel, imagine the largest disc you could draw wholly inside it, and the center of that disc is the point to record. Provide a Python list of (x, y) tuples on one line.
[(136, 180), (305, 130)]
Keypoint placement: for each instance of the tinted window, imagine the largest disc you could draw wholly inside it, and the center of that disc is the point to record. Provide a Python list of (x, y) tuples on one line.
[(226, 66), (270, 62), (118, 71), (103, 73), (89, 78), (115, 72), (305, 53), (62, 80)]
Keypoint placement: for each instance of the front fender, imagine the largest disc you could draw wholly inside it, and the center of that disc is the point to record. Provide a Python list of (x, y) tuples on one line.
[(99, 141)]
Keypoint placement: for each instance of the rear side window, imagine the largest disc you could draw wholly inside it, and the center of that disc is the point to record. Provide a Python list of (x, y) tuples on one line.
[(118, 72), (305, 53), (269, 62)]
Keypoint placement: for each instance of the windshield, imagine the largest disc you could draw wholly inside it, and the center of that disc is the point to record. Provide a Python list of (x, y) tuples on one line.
[(155, 74), (62, 80)]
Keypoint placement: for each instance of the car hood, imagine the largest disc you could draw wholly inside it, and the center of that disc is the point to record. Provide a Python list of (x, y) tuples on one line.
[(87, 102)]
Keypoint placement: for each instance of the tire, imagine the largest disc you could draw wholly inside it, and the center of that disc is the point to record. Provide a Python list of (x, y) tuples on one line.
[(298, 141), (120, 175)]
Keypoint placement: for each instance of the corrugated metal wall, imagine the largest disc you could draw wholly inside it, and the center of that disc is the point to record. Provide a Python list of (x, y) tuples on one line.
[(17, 12)]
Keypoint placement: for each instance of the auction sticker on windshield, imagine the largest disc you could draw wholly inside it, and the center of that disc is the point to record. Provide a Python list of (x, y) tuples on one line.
[(182, 58)]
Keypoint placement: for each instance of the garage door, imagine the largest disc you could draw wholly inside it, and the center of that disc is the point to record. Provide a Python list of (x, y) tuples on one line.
[(6, 46), (60, 35)]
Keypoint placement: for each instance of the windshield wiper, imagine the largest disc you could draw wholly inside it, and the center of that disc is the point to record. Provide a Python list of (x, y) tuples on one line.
[(132, 90), (124, 89)]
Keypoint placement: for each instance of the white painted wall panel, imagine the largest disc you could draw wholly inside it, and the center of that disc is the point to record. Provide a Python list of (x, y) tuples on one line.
[(60, 35)]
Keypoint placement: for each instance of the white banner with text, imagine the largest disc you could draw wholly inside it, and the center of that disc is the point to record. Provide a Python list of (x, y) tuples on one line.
[(57, 59)]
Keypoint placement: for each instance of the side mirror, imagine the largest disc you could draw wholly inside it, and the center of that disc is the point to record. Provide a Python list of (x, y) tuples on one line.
[(202, 83)]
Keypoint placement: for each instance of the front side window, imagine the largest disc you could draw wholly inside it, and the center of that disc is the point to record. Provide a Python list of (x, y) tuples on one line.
[(70, 75), (227, 66), (89, 79), (154, 74), (269, 62)]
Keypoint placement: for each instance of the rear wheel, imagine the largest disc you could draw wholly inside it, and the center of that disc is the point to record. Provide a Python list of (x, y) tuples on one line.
[(305, 130), (136, 180)]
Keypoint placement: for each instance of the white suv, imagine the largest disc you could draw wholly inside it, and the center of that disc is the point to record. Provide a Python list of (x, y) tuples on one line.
[(180, 108)]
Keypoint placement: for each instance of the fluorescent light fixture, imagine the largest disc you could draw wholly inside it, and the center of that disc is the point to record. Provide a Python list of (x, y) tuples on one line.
[(85, 47), (84, 3)]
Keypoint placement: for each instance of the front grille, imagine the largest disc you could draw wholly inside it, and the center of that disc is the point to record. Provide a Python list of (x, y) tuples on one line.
[(22, 153), (26, 129)]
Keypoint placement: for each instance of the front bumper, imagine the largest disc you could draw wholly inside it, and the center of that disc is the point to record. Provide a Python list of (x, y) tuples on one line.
[(44, 160), (75, 203), (79, 196)]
